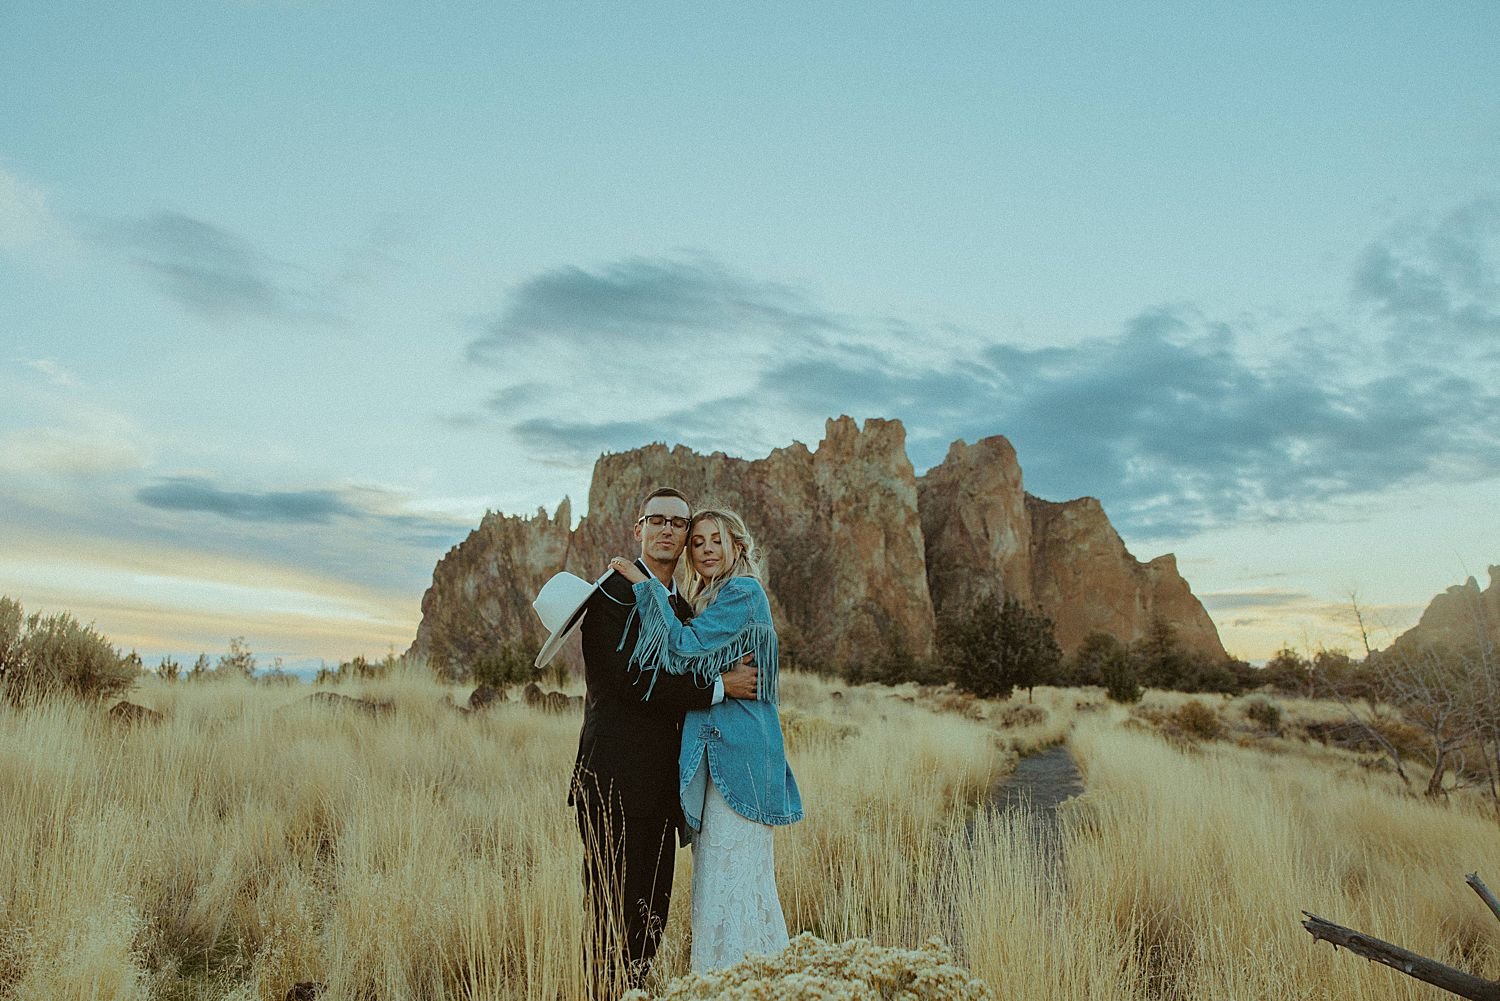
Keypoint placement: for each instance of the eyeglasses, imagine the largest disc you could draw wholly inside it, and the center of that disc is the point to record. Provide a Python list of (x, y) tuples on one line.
[(658, 520)]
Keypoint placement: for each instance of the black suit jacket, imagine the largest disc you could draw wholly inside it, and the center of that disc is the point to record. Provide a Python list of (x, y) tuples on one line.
[(630, 745)]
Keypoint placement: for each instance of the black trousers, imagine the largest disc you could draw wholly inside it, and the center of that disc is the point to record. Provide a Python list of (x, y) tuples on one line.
[(627, 886)]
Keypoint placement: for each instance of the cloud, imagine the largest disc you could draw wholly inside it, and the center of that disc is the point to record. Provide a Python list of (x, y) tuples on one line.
[(737, 424), (216, 274), (24, 214), (56, 375), (1222, 600), (582, 441), (1437, 284), (31, 230), (56, 426), (378, 507), (515, 398), (645, 304), (197, 495), (72, 452)]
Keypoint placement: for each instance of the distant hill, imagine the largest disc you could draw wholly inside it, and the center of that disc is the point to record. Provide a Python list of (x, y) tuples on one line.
[(862, 553), (1460, 617)]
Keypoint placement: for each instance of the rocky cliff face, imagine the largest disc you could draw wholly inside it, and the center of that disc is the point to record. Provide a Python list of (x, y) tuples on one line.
[(1461, 618), (975, 525), (986, 536), (861, 553), (839, 528), (1085, 580), (481, 592)]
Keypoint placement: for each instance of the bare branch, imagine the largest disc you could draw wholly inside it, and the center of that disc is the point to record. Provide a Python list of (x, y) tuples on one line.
[(1373, 732), (1421, 968), (1477, 885), (1359, 618)]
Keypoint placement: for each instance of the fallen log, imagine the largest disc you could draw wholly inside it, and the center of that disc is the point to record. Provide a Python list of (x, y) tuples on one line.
[(1429, 971)]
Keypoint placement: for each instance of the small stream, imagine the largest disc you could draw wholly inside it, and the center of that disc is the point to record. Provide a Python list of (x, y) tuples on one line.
[(1040, 784)]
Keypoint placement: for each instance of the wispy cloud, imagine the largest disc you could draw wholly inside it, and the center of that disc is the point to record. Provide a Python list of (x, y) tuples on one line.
[(191, 494), (583, 441), (316, 507), (1234, 600), (33, 228), (56, 375), (60, 428), (83, 452), (24, 213), (1437, 284), (669, 305), (217, 274)]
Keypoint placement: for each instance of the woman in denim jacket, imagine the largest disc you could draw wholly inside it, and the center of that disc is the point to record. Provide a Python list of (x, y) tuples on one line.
[(735, 782)]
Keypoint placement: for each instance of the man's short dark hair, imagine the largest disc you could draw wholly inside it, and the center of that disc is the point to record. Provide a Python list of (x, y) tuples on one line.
[(665, 492)]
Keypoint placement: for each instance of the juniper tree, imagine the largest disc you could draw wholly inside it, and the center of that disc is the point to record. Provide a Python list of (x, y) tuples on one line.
[(998, 646)]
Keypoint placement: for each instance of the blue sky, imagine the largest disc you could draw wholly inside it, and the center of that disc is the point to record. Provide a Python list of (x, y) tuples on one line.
[(291, 293)]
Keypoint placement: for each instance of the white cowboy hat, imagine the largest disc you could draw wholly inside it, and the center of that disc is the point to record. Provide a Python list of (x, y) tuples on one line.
[(560, 606)]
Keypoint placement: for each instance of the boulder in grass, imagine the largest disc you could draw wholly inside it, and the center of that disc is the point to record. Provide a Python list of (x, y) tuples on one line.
[(336, 701), (1022, 714), (549, 702), (307, 990), (485, 696), (558, 702), (131, 714)]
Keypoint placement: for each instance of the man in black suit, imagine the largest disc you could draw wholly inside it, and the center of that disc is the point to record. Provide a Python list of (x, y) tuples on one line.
[(625, 789)]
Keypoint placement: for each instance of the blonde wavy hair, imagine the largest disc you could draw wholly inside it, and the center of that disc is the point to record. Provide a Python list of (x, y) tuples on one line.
[(699, 590)]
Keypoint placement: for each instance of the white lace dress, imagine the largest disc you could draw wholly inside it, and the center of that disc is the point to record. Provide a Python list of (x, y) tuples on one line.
[(736, 911)]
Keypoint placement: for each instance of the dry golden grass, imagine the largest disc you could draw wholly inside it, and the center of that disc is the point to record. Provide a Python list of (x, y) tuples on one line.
[(254, 840), (1195, 867)]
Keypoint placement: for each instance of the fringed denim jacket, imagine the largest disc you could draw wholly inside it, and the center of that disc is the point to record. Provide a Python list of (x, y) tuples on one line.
[(736, 742)]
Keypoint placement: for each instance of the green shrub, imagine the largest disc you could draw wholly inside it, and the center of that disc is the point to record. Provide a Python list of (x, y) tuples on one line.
[(1196, 720), (505, 665), (1120, 678), (11, 618), (1088, 663), (360, 667), (1264, 713), (1022, 714), (238, 661), (892, 665), (41, 657)]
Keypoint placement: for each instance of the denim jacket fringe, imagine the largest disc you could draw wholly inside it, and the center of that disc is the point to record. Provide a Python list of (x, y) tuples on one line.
[(736, 623)]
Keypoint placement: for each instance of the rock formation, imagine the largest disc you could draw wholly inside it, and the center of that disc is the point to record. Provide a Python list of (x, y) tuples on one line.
[(861, 553), (839, 527), (481, 592), (974, 518), (1460, 618), (1083, 578)]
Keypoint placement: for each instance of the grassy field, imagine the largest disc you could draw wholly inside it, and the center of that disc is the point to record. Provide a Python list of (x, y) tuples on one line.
[(254, 840)]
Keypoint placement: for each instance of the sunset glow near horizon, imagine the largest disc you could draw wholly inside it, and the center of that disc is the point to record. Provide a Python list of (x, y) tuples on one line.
[(292, 293)]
